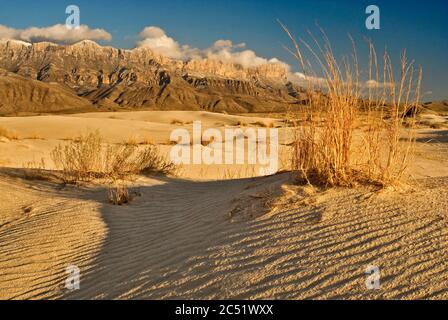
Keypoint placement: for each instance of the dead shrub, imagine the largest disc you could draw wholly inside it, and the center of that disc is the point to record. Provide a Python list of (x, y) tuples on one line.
[(119, 195), (260, 124), (8, 134), (88, 157), (177, 122), (35, 170)]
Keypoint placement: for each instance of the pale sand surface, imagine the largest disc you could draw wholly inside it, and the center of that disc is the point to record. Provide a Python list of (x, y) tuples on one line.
[(254, 238)]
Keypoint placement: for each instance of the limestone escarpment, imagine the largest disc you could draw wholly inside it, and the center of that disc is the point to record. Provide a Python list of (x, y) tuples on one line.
[(110, 78)]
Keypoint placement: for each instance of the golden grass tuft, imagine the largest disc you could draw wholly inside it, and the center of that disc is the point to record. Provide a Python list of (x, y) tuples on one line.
[(8, 134), (88, 157), (119, 195), (331, 148), (177, 122), (35, 170), (260, 124)]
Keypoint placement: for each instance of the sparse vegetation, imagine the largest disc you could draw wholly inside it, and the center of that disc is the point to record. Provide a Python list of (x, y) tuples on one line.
[(8, 134), (327, 150), (260, 124), (119, 195), (35, 170), (88, 157), (34, 136), (132, 141), (146, 140), (177, 122)]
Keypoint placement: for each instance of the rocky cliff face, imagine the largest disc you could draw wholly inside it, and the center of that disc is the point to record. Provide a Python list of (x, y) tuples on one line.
[(110, 78), (20, 95)]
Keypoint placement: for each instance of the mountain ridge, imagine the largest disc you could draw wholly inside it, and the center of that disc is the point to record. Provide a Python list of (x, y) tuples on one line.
[(113, 79)]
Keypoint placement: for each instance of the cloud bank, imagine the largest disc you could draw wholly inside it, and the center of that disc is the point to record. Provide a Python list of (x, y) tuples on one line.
[(157, 40), (58, 33)]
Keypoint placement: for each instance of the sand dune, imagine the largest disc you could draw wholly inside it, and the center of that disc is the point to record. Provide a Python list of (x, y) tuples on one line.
[(253, 238), (37, 136), (41, 233), (178, 240)]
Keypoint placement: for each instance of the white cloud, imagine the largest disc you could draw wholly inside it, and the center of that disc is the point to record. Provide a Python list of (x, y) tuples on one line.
[(58, 33), (226, 51), (371, 84), (304, 80), (8, 33), (223, 50), (152, 32), (157, 40)]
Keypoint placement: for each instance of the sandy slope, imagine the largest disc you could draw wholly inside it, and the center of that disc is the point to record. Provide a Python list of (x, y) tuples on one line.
[(253, 238), (42, 232), (180, 240)]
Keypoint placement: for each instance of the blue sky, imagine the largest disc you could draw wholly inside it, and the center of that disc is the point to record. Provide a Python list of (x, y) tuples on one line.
[(418, 26)]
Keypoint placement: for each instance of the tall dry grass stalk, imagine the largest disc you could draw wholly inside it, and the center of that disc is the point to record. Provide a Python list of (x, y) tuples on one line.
[(355, 129), (88, 157)]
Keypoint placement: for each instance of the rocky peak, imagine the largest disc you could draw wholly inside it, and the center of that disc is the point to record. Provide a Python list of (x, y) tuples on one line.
[(209, 67)]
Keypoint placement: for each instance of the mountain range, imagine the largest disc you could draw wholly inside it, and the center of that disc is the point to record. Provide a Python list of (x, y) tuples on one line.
[(49, 78)]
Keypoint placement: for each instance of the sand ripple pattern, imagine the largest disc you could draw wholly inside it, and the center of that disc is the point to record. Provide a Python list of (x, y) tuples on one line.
[(177, 242), (42, 232)]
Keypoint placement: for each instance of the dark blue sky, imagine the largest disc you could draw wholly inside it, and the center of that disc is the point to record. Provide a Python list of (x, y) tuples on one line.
[(418, 26)]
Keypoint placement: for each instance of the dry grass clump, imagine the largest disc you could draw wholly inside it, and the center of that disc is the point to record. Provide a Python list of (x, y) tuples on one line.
[(146, 140), (35, 170), (177, 122), (259, 124), (88, 157), (119, 195), (132, 141), (34, 136), (8, 134), (331, 148)]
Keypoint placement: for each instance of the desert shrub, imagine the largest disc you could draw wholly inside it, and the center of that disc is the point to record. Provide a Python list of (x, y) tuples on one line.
[(177, 122), (88, 157), (149, 160), (35, 170), (330, 149), (8, 134), (34, 136), (259, 124), (119, 195), (146, 141), (132, 141)]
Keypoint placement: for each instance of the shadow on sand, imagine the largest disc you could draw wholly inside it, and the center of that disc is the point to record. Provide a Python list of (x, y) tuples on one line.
[(439, 136)]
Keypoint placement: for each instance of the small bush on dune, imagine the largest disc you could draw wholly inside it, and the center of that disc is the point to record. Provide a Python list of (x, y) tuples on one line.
[(177, 122), (88, 157), (119, 195), (259, 124), (8, 134)]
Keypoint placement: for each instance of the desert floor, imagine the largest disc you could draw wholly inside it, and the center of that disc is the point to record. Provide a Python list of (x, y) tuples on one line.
[(214, 232)]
